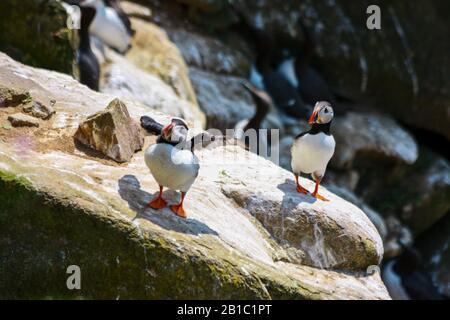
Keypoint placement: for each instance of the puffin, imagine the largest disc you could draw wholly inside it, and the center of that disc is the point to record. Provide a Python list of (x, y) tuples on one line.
[(89, 68), (304, 78), (171, 164), (109, 27), (312, 150)]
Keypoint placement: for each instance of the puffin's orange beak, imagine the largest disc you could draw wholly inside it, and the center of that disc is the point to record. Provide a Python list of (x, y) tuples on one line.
[(313, 116), (166, 129)]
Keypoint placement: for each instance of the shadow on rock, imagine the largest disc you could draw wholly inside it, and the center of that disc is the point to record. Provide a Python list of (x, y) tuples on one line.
[(130, 191), (291, 197)]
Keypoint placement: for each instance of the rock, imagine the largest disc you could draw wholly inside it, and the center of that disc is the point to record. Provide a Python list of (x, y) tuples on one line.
[(112, 132), (39, 110), (374, 216), (136, 10), (23, 120), (123, 79), (153, 52), (381, 136), (211, 54), (222, 98), (60, 206), (425, 191), (12, 98), (36, 34), (314, 229)]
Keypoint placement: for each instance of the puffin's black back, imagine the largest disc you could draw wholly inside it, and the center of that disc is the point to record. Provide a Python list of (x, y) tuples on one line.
[(87, 61)]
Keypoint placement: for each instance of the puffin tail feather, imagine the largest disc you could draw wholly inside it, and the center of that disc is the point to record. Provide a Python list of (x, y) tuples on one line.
[(151, 125)]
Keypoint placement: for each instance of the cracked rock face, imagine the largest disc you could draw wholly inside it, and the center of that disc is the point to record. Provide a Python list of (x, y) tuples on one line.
[(112, 132)]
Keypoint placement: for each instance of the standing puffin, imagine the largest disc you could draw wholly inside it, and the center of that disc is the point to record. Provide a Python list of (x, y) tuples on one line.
[(171, 165), (89, 68), (313, 149)]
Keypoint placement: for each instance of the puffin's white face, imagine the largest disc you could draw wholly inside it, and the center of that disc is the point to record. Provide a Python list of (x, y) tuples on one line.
[(323, 113), (176, 131)]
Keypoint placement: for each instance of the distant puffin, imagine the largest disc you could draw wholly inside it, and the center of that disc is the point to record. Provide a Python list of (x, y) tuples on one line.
[(87, 62), (265, 77), (313, 149), (171, 165), (309, 83), (109, 27), (284, 95)]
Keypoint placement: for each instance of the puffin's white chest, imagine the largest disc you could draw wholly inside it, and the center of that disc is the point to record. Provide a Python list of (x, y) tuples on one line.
[(171, 167), (312, 152), (108, 27)]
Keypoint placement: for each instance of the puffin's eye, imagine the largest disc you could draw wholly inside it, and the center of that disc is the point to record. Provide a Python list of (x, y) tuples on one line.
[(326, 110)]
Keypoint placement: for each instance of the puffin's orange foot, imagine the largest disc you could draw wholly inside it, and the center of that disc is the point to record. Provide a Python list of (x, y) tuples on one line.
[(318, 196), (157, 203), (179, 210), (300, 189)]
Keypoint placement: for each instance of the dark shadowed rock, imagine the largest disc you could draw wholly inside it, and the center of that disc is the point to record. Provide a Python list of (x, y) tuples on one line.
[(23, 120), (418, 194), (39, 110), (13, 97), (112, 132)]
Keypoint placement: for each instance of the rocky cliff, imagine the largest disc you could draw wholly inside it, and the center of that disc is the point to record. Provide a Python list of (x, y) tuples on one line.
[(248, 234)]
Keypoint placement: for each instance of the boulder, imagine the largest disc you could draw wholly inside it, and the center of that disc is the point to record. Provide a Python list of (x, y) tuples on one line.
[(23, 120), (112, 132), (39, 110), (35, 32), (378, 135), (60, 206)]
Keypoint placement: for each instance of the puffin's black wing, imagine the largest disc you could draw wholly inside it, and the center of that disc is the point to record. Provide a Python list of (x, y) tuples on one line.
[(151, 125), (284, 95), (301, 134)]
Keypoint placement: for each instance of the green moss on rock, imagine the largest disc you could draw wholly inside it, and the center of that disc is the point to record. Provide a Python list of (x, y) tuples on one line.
[(34, 32)]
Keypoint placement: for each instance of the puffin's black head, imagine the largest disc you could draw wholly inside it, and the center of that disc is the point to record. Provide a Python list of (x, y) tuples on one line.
[(323, 113), (175, 131)]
